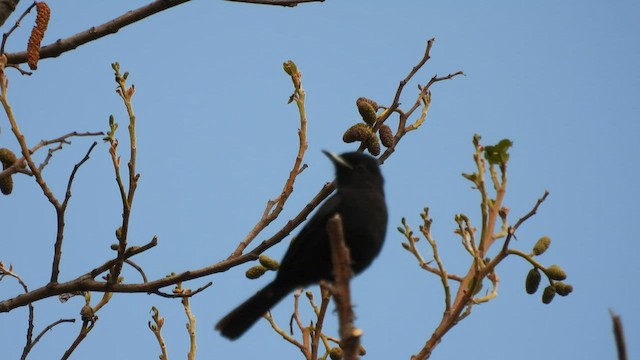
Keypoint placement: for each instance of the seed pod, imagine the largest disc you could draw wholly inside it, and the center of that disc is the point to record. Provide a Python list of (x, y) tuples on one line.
[(373, 145), (6, 185), (358, 132), (268, 262), (533, 281), (255, 272), (367, 109), (563, 289), (37, 34), (555, 272), (541, 245), (386, 136), (548, 294), (7, 157)]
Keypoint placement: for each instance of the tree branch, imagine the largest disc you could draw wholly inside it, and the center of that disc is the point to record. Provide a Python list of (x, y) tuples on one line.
[(286, 3), (72, 42), (340, 255)]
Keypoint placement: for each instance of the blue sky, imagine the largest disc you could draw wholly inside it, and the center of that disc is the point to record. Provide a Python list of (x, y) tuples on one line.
[(216, 140)]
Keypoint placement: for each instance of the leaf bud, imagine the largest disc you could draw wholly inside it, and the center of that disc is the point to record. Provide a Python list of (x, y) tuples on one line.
[(86, 313)]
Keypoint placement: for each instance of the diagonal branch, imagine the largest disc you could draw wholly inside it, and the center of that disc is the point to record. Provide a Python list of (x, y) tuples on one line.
[(72, 42), (60, 213)]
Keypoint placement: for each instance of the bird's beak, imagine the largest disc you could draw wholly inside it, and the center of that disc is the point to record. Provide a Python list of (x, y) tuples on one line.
[(336, 159)]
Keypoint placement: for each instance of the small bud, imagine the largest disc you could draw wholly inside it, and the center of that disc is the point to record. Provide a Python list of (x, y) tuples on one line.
[(548, 294), (268, 262), (386, 136), (335, 353), (533, 281), (541, 245), (406, 246), (563, 289), (255, 272), (86, 313), (115, 247), (290, 67), (367, 109), (119, 233), (555, 272)]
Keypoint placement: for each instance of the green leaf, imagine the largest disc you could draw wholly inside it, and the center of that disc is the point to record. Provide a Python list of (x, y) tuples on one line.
[(498, 154)]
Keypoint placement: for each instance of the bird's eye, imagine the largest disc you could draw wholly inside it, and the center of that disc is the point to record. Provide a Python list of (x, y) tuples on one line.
[(360, 167)]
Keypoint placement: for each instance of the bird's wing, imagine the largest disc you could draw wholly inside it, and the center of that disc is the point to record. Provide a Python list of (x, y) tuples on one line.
[(317, 223)]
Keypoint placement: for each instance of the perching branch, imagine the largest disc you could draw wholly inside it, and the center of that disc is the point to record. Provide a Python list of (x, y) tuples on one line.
[(341, 258)]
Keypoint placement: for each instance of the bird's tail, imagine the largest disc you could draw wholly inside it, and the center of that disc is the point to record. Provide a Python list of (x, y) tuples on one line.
[(244, 316)]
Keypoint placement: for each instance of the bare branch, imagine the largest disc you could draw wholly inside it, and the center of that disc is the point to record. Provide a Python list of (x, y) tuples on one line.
[(61, 46), (44, 331), (60, 213), (6, 35), (618, 332), (340, 255), (286, 3), (183, 294), (274, 207)]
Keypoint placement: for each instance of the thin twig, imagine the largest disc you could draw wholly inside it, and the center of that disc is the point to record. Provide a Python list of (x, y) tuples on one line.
[(285, 3), (183, 295), (6, 35), (60, 214), (156, 328), (49, 327), (9, 272), (87, 326), (16, 167), (618, 333), (126, 93), (284, 334), (137, 267), (274, 207), (324, 305)]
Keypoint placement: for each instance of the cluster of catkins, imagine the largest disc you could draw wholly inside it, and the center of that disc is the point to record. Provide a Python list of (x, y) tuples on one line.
[(364, 132)]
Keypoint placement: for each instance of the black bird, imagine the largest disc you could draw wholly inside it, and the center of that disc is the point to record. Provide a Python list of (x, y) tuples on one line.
[(359, 200)]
